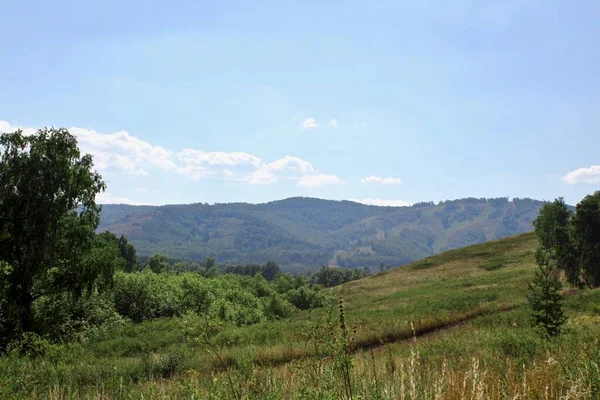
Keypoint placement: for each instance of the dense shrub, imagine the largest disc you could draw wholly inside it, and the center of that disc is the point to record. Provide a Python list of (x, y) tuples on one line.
[(147, 295), (284, 283), (235, 299), (197, 294), (305, 298), (62, 318), (235, 305), (333, 276), (277, 306)]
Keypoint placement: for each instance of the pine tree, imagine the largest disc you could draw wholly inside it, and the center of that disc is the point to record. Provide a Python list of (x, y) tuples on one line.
[(546, 300)]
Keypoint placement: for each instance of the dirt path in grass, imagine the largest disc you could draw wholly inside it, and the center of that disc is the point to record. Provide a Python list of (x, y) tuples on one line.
[(435, 330), (377, 344), (457, 323)]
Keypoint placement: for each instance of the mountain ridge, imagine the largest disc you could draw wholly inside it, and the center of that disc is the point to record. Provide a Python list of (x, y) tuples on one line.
[(301, 233)]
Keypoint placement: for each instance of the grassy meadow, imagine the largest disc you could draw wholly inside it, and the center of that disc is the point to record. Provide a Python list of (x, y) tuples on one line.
[(452, 326)]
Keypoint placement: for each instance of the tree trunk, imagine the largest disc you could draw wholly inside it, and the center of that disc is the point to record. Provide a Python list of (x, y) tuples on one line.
[(26, 312), (25, 301)]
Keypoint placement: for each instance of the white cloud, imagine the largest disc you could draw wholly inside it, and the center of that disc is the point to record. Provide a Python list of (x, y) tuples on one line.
[(198, 164), (382, 202), (371, 178), (584, 175), (115, 151), (309, 123), (122, 151), (240, 166), (261, 177), (378, 179), (217, 157), (333, 122), (319, 180), (6, 127), (107, 198), (289, 162), (288, 168), (128, 154)]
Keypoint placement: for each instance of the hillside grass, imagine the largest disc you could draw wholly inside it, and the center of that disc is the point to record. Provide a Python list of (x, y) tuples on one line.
[(455, 325)]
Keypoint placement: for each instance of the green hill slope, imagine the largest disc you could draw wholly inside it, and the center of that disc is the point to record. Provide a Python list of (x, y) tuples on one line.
[(452, 326), (306, 232)]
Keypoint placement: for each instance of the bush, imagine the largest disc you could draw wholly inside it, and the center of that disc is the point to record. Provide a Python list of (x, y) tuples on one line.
[(62, 318), (197, 294), (147, 295), (277, 306), (29, 343), (305, 298), (235, 299), (237, 307)]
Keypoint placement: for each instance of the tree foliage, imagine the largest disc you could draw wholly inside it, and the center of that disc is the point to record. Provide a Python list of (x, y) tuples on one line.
[(157, 263), (586, 228), (572, 241), (128, 253), (240, 300), (269, 271), (48, 215), (545, 298), (554, 231), (333, 276)]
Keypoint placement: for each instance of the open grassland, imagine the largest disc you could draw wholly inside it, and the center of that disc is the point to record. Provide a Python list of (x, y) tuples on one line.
[(451, 326)]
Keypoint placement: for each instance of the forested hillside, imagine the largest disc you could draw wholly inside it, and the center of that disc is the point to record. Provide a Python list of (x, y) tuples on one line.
[(304, 233)]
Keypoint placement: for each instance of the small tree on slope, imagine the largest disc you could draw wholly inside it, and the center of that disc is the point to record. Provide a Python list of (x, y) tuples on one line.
[(546, 300)]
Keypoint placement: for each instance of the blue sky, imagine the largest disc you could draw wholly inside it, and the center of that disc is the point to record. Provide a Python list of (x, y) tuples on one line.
[(387, 102)]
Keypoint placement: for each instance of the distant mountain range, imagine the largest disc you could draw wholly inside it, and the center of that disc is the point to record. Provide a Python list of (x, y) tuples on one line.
[(303, 233)]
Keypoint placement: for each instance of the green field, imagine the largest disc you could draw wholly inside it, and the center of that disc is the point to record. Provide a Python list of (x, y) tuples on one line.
[(451, 326)]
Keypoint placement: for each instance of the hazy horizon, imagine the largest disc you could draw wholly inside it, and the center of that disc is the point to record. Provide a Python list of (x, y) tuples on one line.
[(366, 202)]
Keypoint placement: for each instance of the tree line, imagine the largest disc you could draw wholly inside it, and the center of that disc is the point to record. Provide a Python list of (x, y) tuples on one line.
[(570, 245), (571, 240)]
